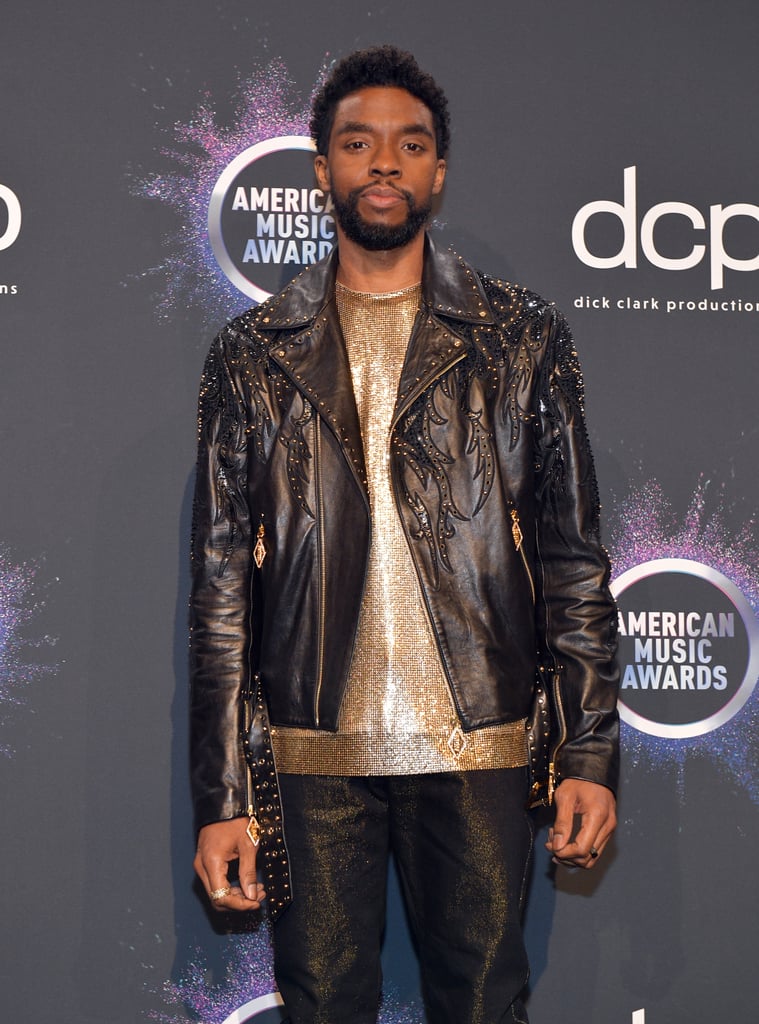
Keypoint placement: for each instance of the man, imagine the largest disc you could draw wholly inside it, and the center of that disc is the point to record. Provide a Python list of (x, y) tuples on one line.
[(396, 520)]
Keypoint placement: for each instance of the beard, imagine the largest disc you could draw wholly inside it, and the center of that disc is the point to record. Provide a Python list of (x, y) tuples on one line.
[(379, 237)]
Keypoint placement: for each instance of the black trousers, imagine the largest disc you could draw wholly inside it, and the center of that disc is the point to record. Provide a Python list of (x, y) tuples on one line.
[(462, 843)]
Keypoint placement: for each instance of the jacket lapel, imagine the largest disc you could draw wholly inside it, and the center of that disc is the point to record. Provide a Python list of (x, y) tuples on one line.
[(453, 299), (310, 349)]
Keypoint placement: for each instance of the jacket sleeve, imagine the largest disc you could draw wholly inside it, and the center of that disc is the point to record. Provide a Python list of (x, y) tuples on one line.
[(576, 614), (220, 597)]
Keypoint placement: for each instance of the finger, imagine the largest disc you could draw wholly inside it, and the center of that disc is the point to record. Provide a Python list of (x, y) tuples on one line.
[(589, 838), (571, 856), (213, 873), (563, 826), (232, 898), (585, 850), (597, 826), (249, 883), (226, 895)]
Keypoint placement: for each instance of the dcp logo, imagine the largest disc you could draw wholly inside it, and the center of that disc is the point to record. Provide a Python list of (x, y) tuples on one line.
[(627, 255), (9, 200), (266, 218)]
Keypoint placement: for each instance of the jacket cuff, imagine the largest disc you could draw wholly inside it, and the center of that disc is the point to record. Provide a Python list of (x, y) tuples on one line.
[(590, 767)]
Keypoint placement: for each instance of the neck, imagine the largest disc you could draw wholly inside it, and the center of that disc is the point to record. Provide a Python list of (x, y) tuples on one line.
[(384, 271)]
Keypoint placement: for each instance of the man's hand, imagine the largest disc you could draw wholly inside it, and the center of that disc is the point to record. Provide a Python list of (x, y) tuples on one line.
[(219, 844), (585, 819)]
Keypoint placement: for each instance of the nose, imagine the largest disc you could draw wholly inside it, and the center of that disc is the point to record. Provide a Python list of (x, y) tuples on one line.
[(385, 163)]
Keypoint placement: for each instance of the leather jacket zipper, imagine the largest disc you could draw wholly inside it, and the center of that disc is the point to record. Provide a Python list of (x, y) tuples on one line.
[(253, 830), (259, 553), (322, 570), (553, 753), (518, 538), (247, 721), (562, 737)]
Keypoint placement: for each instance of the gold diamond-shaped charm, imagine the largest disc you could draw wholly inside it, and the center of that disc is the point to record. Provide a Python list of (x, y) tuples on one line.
[(259, 551), (253, 831), (516, 529), (457, 741)]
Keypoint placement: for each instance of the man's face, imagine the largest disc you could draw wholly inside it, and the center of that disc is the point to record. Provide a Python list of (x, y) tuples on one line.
[(381, 167)]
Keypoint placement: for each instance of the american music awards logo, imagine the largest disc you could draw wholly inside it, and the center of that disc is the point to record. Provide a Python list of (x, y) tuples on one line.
[(266, 219), (688, 647), (687, 588)]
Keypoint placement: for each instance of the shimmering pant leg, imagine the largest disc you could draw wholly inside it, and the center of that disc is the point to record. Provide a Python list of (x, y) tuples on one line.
[(327, 943), (463, 842)]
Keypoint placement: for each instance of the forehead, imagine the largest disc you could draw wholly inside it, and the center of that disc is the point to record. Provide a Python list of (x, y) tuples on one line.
[(382, 107)]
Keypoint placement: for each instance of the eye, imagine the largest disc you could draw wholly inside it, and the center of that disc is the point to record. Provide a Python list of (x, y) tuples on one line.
[(414, 147), (356, 144)]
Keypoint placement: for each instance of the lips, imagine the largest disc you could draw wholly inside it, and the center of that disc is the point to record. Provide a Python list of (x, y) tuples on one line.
[(382, 197)]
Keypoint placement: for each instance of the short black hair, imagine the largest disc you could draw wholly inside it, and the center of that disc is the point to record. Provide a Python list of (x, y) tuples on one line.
[(378, 66)]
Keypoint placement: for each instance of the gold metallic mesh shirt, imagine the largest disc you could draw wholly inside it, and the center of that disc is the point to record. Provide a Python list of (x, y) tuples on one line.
[(397, 716)]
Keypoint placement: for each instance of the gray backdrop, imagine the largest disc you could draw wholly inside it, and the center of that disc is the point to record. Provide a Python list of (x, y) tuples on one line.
[(108, 300)]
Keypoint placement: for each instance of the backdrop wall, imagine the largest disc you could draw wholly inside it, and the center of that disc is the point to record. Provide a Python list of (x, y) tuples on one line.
[(603, 154)]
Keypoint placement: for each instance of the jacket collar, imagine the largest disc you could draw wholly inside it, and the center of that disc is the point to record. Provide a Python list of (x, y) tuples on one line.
[(311, 351), (450, 288)]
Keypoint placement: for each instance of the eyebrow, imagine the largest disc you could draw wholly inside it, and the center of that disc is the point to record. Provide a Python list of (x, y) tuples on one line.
[(406, 129)]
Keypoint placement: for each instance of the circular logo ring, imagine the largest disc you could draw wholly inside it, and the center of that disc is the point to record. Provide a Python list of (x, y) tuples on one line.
[(746, 612), (228, 175), (251, 1009)]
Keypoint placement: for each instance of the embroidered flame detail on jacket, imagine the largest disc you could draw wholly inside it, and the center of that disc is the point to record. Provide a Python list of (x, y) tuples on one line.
[(220, 415), (562, 399), (272, 396), (298, 455), (429, 463), (520, 342)]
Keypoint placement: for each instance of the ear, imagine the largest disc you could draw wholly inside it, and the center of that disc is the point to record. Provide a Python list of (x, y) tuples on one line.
[(322, 172), (437, 183)]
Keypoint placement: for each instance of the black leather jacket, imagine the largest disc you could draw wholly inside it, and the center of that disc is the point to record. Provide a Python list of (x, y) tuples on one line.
[(495, 487)]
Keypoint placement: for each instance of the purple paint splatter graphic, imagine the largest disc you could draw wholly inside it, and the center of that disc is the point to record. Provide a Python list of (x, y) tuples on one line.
[(644, 527), (268, 105), (18, 606), (249, 975)]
